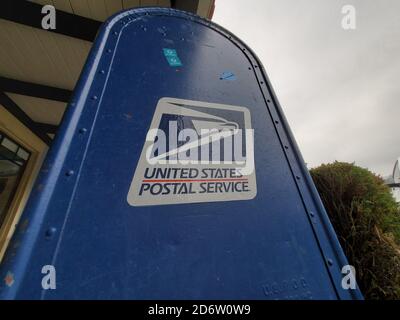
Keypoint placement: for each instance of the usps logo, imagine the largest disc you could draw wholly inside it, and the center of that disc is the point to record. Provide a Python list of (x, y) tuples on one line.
[(195, 152)]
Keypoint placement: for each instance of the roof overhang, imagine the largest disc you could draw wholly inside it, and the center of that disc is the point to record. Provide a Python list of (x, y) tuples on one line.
[(39, 68)]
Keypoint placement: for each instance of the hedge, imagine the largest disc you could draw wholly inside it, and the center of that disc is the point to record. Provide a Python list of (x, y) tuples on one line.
[(366, 219)]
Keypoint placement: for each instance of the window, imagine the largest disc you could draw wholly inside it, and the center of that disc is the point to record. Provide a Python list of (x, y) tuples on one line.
[(21, 156), (13, 160)]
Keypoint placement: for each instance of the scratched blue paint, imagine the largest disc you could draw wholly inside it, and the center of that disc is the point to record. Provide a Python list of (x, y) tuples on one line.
[(279, 245), (172, 57)]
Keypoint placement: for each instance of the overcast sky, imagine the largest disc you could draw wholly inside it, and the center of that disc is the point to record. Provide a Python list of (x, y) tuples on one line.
[(339, 89)]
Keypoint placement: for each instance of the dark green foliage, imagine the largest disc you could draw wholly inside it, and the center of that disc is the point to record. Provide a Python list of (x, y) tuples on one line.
[(366, 219)]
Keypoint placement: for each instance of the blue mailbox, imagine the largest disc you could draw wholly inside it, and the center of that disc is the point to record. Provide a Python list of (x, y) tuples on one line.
[(174, 175)]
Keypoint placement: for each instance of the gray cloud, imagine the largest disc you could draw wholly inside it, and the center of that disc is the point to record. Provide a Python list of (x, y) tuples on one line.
[(339, 88)]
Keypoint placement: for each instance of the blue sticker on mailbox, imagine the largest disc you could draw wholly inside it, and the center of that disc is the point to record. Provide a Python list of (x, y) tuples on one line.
[(228, 75), (172, 57)]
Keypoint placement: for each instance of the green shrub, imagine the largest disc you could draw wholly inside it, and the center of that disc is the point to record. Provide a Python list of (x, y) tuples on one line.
[(366, 219)]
